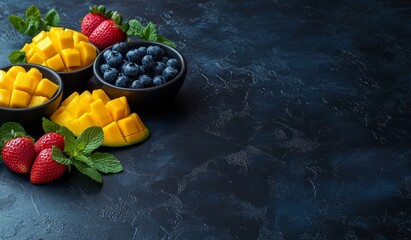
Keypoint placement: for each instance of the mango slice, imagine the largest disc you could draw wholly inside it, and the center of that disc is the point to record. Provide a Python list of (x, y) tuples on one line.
[(121, 127), (21, 89), (62, 50)]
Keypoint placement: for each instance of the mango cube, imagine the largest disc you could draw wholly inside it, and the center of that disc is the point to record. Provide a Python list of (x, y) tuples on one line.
[(70, 98), (117, 109), (4, 98), (35, 74), (37, 101), (40, 36), (87, 53), (79, 37), (47, 47), (100, 94), (112, 134), (98, 110), (56, 63), (37, 58), (87, 120), (24, 82), (71, 57), (5, 81), (61, 116), (46, 88), (12, 72), (19, 99), (63, 39), (28, 49)]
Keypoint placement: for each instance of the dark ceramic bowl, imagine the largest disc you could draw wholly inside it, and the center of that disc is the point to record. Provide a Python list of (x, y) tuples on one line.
[(32, 116), (145, 97), (76, 81)]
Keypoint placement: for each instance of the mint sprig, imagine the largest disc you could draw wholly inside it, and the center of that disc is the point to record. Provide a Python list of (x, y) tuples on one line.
[(33, 23), (148, 32), (79, 152)]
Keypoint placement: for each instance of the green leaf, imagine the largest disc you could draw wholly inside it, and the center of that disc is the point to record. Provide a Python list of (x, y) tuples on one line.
[(18, 23), (49, 126), (165, 41), (59, 156), (33, 11), (52, 18), (106, 163), (135, 28), (18, 56), (88, 171), (92, 138), (33, 27), (149, 32), (84, 159)]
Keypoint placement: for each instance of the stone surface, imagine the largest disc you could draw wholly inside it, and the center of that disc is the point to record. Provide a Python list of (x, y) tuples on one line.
[(293, 123)]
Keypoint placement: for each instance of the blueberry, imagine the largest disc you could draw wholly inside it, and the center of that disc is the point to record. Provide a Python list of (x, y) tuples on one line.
[(158, 80), (172, 62), (170, 73), (104, 67), (110, 75), (164, 60), (143, 49), (106, 53), (158, 68), (144, 71), (122, 81), (131, 69), (146, 80), (114, 59), (120, 47), (137, 84), (148, 62), (135, 55), (155, 51)]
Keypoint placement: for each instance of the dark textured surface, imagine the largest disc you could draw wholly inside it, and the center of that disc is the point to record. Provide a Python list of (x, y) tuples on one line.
[(293, 123)]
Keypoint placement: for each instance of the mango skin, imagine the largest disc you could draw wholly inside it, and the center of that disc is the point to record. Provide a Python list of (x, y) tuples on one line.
[(120, 126)]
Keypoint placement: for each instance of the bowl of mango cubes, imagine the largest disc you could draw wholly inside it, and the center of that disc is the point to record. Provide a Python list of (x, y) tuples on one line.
[(28, 92), (66, 51)]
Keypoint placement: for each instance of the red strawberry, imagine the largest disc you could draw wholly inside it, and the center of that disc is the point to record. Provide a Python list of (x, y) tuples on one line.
[(18, 154), (45, 168), (48, 140), (92, 19), (109, 32)]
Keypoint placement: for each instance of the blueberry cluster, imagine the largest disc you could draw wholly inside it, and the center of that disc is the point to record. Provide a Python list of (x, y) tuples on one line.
[(136, 68)]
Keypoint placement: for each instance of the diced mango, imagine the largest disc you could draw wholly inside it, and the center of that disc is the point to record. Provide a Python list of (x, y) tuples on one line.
[(112, 135), (100, 94), (87, 53), (56, 29), (35, 74), (79, 37), (138, 136), (5, 81), (61, 116), (37, 101), (75, 127), (4, 98), (56, 63), (70, 98), (37, 58), (24, 82), (63, 39), (77, 108), (86, 97), (71, 57), (40, 36), (87, 120), (28, 50), (99, 111), (128, 125), (19, 99), (117, 109), (47, 47), (12, 72), (46, 88)]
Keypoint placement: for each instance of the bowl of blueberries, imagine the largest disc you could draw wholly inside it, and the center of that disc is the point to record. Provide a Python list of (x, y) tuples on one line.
[(146, 73)]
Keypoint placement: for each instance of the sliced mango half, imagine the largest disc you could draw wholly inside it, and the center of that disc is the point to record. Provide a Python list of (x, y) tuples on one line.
[(121, 127)]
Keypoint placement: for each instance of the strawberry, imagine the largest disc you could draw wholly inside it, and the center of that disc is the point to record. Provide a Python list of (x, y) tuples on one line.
[(92, 19), (48, 140), (45, 168), (109, 32), (18, 154)]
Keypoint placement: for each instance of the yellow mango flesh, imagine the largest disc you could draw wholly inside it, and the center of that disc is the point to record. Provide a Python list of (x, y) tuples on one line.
[(21, 89), (62, 50), (120, 126)]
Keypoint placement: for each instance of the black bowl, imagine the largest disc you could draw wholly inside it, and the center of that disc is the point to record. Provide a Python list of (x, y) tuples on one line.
[(145, 97), (77, 81), (32, 116)]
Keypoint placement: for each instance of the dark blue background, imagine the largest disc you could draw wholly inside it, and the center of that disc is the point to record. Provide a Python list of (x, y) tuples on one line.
[(293, 123)]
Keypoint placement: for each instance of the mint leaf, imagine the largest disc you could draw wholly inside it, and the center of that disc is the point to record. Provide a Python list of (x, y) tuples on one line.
[(18, 23), (92, 138), (33, 26), (18, 56), (33, 11), (165, 41), (59, 156), (135, 28), (88, 171), (49, 126), (52, 18), (150, 32), (84, 159), (106, 163)]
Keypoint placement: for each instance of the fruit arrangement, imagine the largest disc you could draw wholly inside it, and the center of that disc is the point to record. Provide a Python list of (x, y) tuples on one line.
[(121, 127), (53, 154), (140, 67), (23, 89)]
